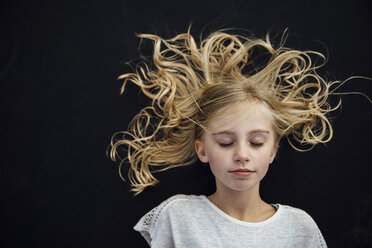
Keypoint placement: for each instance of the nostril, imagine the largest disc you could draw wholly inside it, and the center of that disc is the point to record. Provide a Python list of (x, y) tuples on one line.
[(241, 153), (241, 158)]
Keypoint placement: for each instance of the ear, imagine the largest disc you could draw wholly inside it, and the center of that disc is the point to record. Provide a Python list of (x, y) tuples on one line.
[(272, 157), (200, 151)]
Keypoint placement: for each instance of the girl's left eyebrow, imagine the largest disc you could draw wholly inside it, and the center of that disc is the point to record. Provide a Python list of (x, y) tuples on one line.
[(250, 132)]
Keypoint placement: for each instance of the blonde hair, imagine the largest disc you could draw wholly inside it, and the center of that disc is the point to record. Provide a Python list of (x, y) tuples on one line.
[(189, 83)]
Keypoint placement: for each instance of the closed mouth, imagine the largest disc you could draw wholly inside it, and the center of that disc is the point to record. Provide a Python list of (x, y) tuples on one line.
[(241, 170)]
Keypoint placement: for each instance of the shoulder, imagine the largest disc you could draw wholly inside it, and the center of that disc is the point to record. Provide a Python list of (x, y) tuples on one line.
[(181, 198), (160, 217), (178, 202), (296, 217), (170, 203), (299, 222)]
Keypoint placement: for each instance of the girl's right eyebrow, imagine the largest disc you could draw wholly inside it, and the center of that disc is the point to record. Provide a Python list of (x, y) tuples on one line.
[(251, 132), (224, 132)]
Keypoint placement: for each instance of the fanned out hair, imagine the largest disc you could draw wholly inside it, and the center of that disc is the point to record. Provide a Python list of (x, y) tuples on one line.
[(189, 82)]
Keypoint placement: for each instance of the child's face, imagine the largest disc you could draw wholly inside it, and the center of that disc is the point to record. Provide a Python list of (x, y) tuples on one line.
[(239, 146)]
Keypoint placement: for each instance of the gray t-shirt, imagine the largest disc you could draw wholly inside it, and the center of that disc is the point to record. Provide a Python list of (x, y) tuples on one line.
[(194, 221)]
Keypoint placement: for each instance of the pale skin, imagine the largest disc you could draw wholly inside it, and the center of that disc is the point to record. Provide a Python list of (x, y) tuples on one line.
[(241, 138)]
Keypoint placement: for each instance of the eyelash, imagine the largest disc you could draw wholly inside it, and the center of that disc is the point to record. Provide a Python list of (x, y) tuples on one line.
[(257, 144), (252, 143), (225, 145)]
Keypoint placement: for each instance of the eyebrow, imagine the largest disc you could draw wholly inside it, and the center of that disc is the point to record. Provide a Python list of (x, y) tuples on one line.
[(253, 131)]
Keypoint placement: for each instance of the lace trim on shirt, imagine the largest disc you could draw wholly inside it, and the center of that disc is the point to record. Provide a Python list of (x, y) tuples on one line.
[(321, 240)]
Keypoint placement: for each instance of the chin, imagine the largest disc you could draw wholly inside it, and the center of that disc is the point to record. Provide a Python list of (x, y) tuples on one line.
[(242, 188)]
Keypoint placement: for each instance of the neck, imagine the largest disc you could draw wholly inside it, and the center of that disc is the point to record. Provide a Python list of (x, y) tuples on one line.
[(243, 205)]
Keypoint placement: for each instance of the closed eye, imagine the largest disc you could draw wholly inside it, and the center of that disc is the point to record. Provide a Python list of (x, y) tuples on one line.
[(256, 144), (225, 144)]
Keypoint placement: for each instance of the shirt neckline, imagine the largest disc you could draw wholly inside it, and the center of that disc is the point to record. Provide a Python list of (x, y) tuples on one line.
[(228, 217)]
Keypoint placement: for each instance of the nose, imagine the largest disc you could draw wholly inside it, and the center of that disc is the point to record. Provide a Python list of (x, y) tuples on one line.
[(241, 154)]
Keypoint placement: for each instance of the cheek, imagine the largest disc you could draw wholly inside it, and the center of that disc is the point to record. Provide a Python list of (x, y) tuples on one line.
[(265, 158), (263, 161), (217, 161), (214, 161)]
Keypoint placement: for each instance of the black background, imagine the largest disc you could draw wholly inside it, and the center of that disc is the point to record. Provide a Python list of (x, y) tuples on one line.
[(60, 105)]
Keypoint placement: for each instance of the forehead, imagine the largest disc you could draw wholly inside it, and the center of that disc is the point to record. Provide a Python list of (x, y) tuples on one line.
[(248, 115)]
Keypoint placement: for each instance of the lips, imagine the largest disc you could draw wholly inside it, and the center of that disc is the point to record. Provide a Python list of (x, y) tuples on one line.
[(241, 172)]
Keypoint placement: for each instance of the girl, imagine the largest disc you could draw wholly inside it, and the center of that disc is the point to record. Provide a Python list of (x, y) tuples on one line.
[(227, 101)]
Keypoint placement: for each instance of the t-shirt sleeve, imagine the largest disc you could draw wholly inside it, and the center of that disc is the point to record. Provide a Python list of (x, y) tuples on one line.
[(155, 226), (303, 229), (318, 238), (145, 225)]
